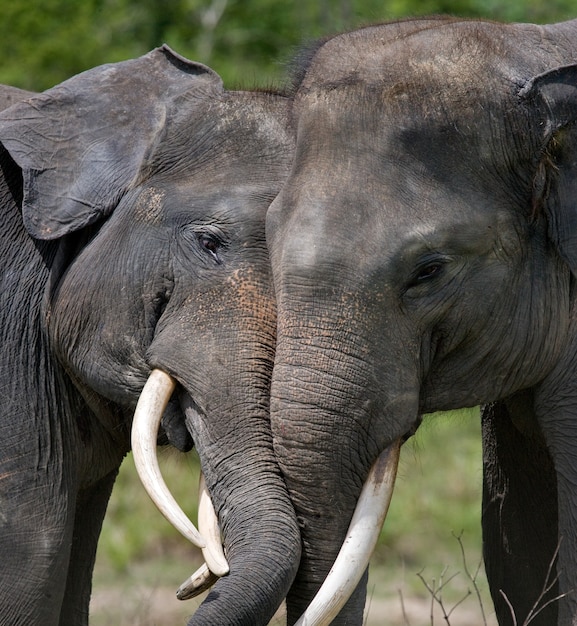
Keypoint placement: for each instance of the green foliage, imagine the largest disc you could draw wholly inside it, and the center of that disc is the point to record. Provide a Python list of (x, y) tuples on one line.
[(246, 41)]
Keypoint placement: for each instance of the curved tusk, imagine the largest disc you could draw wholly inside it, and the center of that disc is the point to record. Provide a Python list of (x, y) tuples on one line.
[(151, 405), (209, 529), (202, 580), (360, 542)]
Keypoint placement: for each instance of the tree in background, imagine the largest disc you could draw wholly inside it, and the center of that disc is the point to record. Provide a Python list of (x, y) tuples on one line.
[(246, 41)]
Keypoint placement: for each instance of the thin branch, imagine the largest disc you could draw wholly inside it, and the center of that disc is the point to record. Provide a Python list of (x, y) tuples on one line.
[(459, 602), (532, 615), (473, 579), (432, 593), (436, 593), (539, 606), (511, 610)]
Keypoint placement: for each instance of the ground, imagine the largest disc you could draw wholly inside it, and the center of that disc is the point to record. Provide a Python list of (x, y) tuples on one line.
[(144, 603)]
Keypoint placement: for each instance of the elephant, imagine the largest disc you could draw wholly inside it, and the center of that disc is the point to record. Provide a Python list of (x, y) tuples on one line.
[(133, 249), (424, 258)]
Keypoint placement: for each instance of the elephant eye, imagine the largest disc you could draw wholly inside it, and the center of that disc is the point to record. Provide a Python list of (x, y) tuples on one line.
[(429, 271), (210, 244)]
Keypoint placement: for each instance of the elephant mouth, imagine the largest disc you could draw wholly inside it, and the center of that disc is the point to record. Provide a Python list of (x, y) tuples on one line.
[(356, 550), (151, 405)]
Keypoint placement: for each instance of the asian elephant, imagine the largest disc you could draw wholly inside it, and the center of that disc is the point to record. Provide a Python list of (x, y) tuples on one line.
[(424, 255), (133, 199)]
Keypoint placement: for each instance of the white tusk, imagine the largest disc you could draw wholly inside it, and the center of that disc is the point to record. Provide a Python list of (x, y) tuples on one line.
[(216, 564), (151, 405), (209, 529), (202, 580), (359, 544)]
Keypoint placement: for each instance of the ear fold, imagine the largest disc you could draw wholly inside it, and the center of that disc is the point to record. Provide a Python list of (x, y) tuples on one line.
[(81, 144), (555, 94)]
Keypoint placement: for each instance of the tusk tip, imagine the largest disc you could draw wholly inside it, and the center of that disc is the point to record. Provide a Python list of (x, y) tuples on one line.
[(202, 580), (209, 528)]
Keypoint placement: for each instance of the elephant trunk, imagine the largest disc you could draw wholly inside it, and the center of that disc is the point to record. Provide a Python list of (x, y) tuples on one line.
[(224, 397), (257, 520), (313, 463), (331, 418)]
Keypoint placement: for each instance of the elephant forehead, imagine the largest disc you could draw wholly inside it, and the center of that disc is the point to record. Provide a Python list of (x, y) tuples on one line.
[(451, 83), (458, 51), (390, 132), (366, 197), (360, 177)]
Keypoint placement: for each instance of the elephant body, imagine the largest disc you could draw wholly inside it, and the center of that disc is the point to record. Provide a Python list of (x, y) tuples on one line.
[(424, 254), (133, 200)]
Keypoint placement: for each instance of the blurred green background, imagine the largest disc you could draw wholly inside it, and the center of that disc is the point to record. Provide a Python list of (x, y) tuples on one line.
[(141, 559), (246, 41)]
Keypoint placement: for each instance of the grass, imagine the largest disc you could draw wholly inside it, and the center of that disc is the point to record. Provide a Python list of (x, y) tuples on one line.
[(142, 559)]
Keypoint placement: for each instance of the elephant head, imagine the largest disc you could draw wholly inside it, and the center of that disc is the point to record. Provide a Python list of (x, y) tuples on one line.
[(424, 259), (135, 203)]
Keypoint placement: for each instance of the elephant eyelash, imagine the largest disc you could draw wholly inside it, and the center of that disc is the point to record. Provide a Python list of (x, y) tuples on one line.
[(429, 271), (426, 271)]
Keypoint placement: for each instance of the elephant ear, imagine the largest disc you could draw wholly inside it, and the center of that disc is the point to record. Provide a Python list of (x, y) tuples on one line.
[(81, 144), (555, 94)]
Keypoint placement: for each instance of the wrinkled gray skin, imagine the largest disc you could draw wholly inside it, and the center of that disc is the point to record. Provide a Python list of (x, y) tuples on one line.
[(133, 200), (424, 252)]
